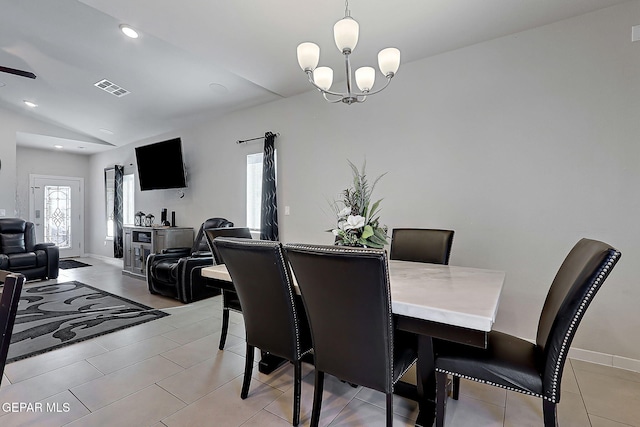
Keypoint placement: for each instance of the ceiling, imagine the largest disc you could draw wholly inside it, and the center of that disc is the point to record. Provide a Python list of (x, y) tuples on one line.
[(199, 59)]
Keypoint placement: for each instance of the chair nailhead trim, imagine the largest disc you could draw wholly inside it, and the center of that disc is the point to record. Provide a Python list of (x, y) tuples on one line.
[(576, 319), (402, 373), (296, 324), (519, 390)]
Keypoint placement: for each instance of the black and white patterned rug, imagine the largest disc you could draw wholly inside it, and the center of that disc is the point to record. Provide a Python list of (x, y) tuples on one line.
[(53, 316)]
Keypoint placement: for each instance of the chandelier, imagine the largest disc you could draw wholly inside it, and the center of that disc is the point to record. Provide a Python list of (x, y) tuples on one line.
[(345, 33)]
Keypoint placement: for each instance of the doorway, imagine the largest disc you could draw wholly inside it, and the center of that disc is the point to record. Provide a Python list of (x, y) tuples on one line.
[(56, 207)]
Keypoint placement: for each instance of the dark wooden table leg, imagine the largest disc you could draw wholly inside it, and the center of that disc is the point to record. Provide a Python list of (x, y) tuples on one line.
[(269, 363), (426, 382)]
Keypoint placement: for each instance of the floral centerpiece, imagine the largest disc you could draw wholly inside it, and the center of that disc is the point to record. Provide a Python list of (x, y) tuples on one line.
[(358, 219)]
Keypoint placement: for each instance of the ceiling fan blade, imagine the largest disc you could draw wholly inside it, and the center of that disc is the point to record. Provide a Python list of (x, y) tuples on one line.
[(22, 73)]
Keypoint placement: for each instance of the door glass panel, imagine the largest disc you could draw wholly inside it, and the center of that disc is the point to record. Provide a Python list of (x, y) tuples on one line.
[(57, 215)]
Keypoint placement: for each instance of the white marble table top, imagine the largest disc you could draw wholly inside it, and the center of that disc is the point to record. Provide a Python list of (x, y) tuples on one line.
[(460, 296), (218, 272)]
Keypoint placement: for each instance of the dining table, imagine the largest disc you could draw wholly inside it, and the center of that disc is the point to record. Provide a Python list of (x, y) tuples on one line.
[(434, 301)]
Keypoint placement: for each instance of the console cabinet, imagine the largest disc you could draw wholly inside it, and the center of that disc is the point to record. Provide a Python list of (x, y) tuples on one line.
[(140, 242)]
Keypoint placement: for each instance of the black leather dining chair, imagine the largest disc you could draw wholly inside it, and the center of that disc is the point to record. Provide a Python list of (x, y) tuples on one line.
[(424, 245), (421, 245), (230, 299), (8, 309), (518, 365), (274, 318), (347, 299)]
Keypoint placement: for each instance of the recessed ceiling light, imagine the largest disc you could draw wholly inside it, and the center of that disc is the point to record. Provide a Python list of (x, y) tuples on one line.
[(30, 104), (218, 88), (59, 147), (107, 131), (128, 31)]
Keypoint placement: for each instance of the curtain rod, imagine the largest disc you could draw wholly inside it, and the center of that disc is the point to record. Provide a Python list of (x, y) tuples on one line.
[(241, 141)]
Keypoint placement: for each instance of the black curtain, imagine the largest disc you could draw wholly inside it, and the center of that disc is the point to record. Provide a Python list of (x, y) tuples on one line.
[(269, 211), (117, 212)]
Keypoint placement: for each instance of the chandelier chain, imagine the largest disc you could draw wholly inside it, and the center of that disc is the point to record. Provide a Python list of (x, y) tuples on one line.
[(347, 12)]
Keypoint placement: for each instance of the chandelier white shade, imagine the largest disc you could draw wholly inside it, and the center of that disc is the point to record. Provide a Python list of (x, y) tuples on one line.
[(308, 56), (365, 77), (323, 77), (389, 60), (345, 34)]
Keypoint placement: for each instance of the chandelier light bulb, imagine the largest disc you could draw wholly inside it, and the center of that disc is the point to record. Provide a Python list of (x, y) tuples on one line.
[(345, 33), (308, 56), (365, 77), (389, 61), (323, 77)]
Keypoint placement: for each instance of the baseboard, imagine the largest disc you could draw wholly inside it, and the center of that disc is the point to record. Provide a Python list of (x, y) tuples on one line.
[(601, 358), (605, 359)]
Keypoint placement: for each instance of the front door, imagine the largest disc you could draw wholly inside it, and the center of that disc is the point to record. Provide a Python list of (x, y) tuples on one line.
[(56, 207)]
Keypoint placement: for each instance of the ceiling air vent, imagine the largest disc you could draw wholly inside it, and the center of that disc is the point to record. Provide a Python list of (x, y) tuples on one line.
[(112, 88)]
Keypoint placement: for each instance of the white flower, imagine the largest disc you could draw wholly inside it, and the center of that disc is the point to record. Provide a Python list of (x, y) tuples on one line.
[(335, 231), (354, 221), (344, 212), (341, 224)]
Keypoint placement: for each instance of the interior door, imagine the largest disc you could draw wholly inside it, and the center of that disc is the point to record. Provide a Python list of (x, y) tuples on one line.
[(56, 207)]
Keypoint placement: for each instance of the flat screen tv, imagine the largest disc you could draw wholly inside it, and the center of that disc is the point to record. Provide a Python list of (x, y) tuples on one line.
[(161, 166)]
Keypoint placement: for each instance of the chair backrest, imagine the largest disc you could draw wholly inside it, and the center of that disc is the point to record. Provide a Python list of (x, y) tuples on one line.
[(8, 310), (579, 278), (347, 299), (200, 244), (212, 233), (421, 245), (262, 280), (16, 236)]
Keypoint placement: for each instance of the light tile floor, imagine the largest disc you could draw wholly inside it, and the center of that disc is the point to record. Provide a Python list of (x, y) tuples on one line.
[(169, 372)]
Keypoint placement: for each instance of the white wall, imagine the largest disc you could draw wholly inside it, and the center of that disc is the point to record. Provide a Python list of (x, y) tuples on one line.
[(9, 122), (522, 145), (16, 166)]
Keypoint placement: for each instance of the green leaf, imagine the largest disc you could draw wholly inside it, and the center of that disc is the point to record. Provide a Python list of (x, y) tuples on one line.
[(376, 240), (380, 234), (374, 208), (366, 232), (374, 245)]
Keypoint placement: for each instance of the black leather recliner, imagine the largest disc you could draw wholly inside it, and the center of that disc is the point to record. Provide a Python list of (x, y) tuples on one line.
[(19, 252), (176, 271)]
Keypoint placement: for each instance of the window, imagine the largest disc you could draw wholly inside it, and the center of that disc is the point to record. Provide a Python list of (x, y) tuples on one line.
[(128, 191), (254, 188)]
